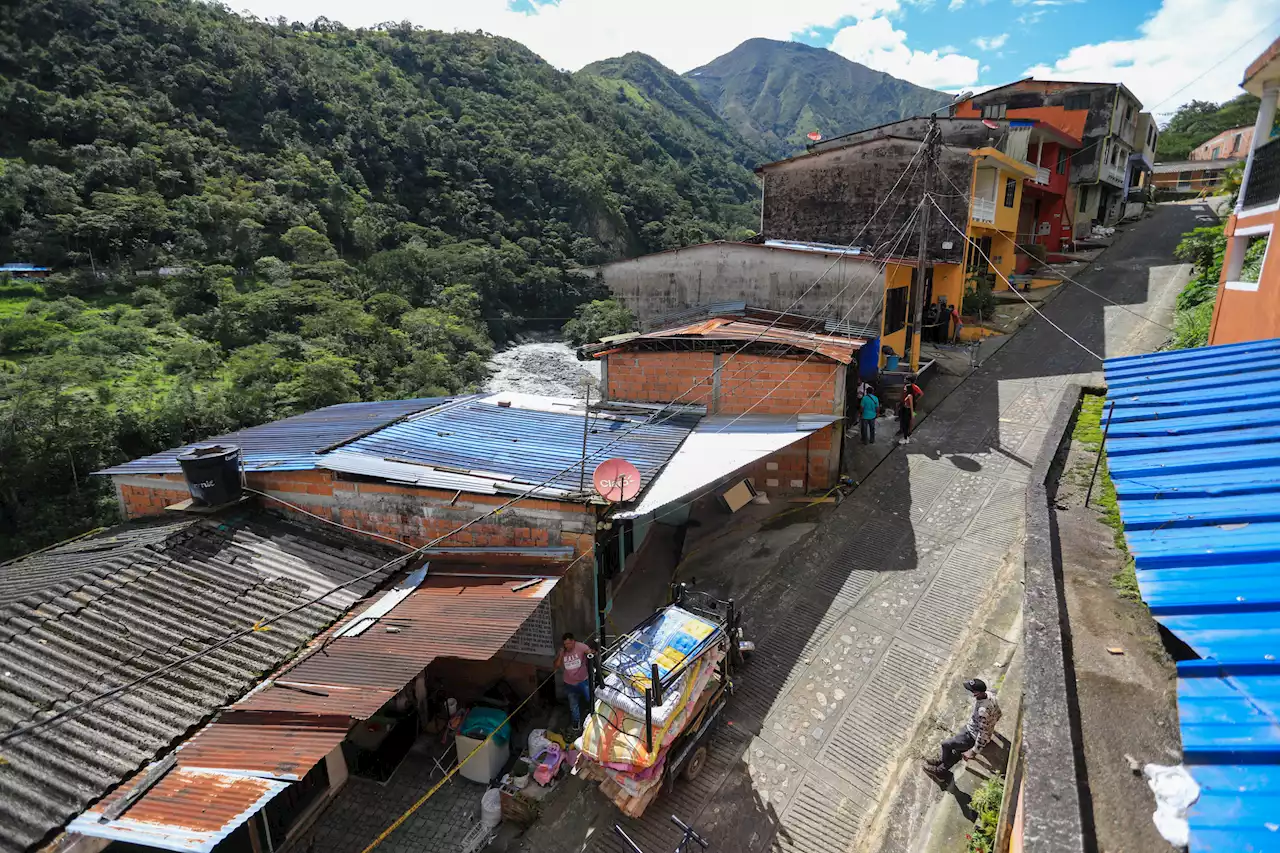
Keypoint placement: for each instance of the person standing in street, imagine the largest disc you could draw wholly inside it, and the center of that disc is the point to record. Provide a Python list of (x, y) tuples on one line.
[(870, 405), (967, 742), (955, 318), (573, 658), (906, 412)]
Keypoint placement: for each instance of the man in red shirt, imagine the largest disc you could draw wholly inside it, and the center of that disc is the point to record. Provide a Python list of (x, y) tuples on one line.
[(573, 658)]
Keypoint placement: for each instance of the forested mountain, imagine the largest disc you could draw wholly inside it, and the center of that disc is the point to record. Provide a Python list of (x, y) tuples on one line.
[(776, 92), (251, 219), (644, 81), (1199, 121)]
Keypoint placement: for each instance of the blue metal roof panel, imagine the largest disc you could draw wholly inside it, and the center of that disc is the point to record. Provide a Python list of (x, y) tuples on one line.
[(526, 445), (1194, 452), (291, 444)]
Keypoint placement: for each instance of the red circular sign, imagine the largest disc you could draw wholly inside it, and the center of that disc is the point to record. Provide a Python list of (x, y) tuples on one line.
[(616, 480), (814, 135)]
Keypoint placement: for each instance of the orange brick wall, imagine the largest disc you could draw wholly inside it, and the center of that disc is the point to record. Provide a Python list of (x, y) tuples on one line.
[(807, 465), (755, 383)]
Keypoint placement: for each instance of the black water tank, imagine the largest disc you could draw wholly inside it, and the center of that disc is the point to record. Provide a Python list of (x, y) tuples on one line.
[(213, 473)]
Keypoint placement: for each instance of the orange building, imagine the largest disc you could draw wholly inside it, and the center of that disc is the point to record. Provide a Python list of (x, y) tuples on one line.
[(1117, 139), (1248, 304)]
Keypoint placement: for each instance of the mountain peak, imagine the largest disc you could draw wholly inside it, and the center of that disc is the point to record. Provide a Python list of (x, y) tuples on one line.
[(775, 92)]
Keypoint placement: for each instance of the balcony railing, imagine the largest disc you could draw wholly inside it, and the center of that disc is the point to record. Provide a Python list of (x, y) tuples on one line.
[(1264, 176), (1113, 174), (1042, 176), (983, 210)]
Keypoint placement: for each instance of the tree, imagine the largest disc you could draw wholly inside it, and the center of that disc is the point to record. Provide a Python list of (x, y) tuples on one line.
[(599, 319)]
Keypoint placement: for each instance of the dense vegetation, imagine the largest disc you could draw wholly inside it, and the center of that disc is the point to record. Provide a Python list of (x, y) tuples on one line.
[(1205, 249), (1197, 122), (248, 219), (776, 92)]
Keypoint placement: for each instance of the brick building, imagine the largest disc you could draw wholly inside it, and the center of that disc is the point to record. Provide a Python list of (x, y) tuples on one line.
[(416, 470)]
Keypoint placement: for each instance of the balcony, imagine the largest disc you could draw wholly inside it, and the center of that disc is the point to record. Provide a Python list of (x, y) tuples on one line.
[(1042, 176), (1264, 176), (1113, 174), (982, 210)]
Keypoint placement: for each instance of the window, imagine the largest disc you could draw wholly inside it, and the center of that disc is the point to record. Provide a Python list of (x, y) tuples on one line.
[(1010, 190), (1248, 255), (1084, 199), (979, 251), (1063, 157), (1184, 180), (1235, 143), (1076, 102), (995, 110), (1217, 150), (895, 309)]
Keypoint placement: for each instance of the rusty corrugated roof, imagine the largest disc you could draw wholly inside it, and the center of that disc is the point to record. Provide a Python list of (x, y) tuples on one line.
[(186, 809), (283, 748), (839, 349)]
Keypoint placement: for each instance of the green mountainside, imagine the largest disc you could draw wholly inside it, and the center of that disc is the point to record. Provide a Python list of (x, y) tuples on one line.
[(248, 220), (644, 81), (775, 92)]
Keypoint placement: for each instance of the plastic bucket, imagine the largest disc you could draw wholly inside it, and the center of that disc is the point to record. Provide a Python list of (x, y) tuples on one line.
[(891, 362), (491, 807), (212, 472)]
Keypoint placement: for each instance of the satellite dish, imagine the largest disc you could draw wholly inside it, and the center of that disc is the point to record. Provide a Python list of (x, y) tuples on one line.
[(994, 125), (616, 480), (814, 135)]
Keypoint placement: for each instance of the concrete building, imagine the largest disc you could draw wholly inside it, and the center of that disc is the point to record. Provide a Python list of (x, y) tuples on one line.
[(1233, 144), (1248, 303), (778, 275), (1190, 176), (1106, 117)]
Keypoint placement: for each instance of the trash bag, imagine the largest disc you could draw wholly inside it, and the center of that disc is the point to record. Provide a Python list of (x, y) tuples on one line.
[(1175, 792)]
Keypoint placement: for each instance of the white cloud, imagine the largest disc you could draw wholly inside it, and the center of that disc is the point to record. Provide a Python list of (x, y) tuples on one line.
[(572, 33), (955, 5), (875, 43), (991, 42), (1180, 42)]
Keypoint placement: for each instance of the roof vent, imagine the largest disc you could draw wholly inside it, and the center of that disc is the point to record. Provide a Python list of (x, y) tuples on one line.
[(212, 472)]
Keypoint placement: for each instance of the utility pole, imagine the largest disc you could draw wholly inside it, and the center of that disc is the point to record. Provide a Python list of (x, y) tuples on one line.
[(915, 309)]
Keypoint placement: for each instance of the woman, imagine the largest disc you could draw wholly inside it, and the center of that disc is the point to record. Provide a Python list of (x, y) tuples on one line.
[(907, 411)]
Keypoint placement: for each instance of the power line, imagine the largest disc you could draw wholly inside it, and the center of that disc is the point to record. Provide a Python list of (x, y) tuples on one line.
[(267, 621), (985, 257), (1263, 31)]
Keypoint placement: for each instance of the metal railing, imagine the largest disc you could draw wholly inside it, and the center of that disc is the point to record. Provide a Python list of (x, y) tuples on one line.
[(982, 210), (1042, 175), (1264, 176), (1113, 174)]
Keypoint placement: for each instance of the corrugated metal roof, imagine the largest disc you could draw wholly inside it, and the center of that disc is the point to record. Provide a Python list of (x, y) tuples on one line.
[(99, 612), (767, 316), (1194, 451), (516, 445), (187, 810), (836, 348), (290, 444), (719, 446)]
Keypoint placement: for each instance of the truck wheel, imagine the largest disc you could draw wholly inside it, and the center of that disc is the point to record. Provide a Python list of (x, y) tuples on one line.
[(697, 761)]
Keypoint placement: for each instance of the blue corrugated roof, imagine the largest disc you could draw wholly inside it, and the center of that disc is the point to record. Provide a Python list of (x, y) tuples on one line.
[(525, 445), (291, 444), (22, 268), (1194, 451)]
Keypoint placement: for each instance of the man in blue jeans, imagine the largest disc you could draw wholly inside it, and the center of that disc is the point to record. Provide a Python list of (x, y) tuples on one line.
[(573, 657), (870, 405)]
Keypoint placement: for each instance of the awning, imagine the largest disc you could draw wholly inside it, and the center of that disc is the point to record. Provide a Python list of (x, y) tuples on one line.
[(719, 446), (274, 735), (188, 810)]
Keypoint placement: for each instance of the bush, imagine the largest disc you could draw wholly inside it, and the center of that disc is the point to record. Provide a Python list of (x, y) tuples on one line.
[(27, 334), (1191, 326), (978, 297), (986, 802), (599, 319)]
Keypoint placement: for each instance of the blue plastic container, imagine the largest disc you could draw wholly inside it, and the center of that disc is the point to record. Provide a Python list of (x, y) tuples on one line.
[(891, 362)]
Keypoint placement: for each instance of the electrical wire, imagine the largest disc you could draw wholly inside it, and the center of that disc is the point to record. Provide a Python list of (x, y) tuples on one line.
[(1068, 278), (265, 623), (985, 257), (1269, 28)]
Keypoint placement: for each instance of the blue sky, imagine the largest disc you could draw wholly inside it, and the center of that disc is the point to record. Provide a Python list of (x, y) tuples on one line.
[(1165, 51)]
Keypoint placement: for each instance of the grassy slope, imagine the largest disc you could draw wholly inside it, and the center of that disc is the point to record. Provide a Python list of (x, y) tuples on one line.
[(1088, 431)]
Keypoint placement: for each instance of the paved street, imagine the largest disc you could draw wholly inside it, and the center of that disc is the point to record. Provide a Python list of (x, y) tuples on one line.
[(857, 631)]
